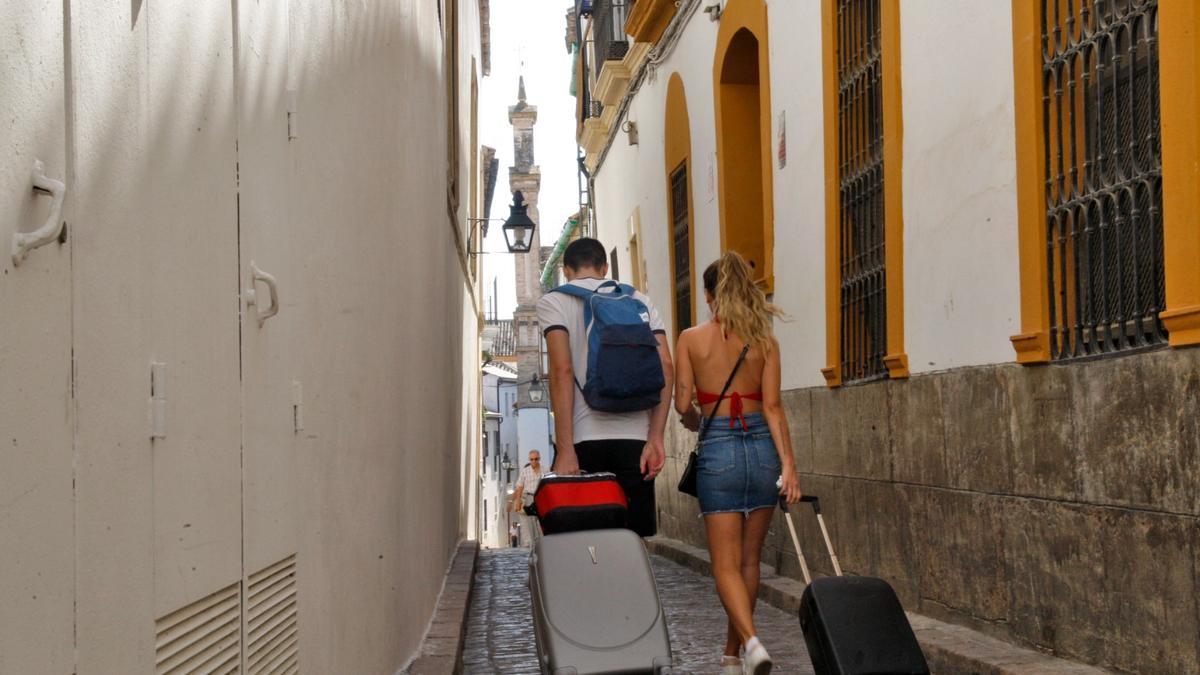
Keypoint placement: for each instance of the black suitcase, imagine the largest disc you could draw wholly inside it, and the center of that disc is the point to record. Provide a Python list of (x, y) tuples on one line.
[(853, 625)]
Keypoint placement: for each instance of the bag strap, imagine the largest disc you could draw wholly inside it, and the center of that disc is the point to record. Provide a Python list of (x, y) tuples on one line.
[(736, 366)]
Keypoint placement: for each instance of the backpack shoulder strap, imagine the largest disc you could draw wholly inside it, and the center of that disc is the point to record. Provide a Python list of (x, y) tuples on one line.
[(573, 290)]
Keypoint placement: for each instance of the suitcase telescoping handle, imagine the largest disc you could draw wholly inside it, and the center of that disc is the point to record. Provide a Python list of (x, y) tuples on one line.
[(816, 506)]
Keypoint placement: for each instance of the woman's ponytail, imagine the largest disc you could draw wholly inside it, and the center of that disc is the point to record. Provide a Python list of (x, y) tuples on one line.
[(739, 303)]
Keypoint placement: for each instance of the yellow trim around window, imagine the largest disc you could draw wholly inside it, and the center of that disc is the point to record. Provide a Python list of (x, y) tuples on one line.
[(1179, 61), (678, 151), (750, 16), (1033, 343), (896, 359)]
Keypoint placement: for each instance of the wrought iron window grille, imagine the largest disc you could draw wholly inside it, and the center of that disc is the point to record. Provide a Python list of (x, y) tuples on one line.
[(1103, 156), (863, 292), (608, 29), (682, 249)]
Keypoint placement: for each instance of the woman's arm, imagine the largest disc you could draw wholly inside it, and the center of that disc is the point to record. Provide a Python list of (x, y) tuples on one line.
[(685, 379), (683, 375), (776, 417)]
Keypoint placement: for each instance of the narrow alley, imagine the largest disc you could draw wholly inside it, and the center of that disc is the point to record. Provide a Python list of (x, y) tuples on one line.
[(499, 637)]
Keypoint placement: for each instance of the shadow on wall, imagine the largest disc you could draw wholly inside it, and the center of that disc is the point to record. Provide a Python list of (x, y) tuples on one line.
[(157, 157)]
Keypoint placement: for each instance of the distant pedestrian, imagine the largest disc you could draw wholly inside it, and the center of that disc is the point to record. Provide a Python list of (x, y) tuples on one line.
[(746, 447), (527, 484), (513, 533), (595, 428)]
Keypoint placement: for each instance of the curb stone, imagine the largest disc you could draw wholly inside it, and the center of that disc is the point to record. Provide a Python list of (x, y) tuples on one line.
[(950, 649), (442, 648)]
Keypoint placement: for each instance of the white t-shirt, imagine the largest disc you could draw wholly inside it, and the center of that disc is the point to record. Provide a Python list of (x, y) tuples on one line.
[(559, 311)]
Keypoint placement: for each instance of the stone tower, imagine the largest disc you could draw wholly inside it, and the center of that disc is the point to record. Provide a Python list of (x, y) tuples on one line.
[(525, 177)]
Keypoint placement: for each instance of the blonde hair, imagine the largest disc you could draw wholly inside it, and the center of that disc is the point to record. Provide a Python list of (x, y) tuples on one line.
[(738, 302)]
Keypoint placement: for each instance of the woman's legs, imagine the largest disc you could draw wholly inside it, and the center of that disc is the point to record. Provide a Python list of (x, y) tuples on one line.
[(754, 532), (725, 531)]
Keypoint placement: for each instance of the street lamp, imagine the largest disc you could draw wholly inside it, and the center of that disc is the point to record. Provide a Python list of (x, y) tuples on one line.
[(507, 466), (518, 229), (537, 390)]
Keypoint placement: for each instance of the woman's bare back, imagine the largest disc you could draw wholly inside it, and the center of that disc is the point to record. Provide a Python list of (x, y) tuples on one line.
[(712, 358)]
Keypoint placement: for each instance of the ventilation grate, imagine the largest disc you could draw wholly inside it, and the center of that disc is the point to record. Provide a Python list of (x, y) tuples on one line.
[(271, 620), (203, 637)]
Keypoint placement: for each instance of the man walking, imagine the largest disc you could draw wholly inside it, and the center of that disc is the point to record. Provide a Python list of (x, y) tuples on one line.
[(629, 442), (527, 484)]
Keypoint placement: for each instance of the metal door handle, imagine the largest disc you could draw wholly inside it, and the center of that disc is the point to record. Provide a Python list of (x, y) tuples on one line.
[(252, 295), (24, 242)]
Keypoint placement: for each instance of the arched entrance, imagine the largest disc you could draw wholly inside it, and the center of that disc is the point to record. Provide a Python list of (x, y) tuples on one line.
[(742, 82)]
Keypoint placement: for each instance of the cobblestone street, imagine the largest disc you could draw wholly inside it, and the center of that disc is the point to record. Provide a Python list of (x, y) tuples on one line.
[(500, 638)]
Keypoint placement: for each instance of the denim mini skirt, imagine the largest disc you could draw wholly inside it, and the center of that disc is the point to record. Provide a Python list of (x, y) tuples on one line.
[(737, 468)]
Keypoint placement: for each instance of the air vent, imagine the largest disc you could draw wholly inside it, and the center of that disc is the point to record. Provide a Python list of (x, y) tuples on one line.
[(203, 637), (271, 620)]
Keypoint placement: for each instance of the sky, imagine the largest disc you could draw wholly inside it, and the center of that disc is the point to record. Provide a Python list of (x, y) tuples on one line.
[(528, 38)]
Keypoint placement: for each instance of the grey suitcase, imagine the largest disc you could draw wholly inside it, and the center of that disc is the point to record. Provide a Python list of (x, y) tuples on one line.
[(595, 605)]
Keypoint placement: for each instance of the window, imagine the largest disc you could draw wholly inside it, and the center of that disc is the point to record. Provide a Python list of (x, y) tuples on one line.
[(678, 162), (1102, 142), (638, 273), (864, 263), (682, 246), (485, 515), (862, 288), (614, 267)]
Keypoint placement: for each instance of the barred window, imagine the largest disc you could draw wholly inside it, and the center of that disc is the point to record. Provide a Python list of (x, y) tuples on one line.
[(1103, 154), (860, 179), (681, 246)]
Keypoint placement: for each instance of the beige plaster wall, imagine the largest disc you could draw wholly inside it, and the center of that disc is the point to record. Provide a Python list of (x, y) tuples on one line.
[(169, 121)]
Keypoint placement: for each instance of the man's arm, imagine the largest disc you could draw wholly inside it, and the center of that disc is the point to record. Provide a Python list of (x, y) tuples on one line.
[(518, 492), (562, 401), (654, 455)]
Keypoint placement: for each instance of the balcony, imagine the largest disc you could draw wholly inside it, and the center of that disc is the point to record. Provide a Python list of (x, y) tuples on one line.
[(617, 56), (594, 133)]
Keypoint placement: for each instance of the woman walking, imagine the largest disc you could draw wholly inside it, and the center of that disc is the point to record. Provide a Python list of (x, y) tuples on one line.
[(745, 457)]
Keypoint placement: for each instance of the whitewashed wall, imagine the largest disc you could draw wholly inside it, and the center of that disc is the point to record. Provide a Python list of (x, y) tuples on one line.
[(961, 268), (533, 433), (961, 273), (635, 177), (796, 94), (173, 140)]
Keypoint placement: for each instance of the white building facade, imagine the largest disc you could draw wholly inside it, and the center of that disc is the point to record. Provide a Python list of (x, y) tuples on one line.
[(498, 469), (962, 388)]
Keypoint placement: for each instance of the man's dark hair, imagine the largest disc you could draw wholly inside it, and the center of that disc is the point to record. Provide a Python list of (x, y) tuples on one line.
[(585, 252)]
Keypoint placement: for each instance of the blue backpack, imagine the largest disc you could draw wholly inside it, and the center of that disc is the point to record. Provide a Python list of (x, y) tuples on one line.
[(624, 371)]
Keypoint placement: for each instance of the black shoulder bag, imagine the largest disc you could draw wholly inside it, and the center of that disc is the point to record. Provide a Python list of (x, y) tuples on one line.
[(687, 482)]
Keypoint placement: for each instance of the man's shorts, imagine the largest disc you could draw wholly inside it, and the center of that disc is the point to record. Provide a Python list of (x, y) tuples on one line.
[(623, 457)]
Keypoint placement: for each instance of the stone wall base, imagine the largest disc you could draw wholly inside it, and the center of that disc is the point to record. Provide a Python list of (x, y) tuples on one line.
[(1053, 507)]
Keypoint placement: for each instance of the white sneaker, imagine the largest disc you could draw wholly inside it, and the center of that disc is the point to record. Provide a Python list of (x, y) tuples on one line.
[(731, 665), (757, 661)]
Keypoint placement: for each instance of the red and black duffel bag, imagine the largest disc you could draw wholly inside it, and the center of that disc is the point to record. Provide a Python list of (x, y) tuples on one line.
[(590, 501)]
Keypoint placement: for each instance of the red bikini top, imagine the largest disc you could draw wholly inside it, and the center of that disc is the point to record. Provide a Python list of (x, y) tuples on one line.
[(735, 404)]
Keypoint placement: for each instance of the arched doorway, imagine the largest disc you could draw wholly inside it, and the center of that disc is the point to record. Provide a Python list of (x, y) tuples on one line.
[(678, 162), (742, 82)]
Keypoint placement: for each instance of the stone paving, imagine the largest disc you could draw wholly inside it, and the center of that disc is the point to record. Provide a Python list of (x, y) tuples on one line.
[(499, 629)]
